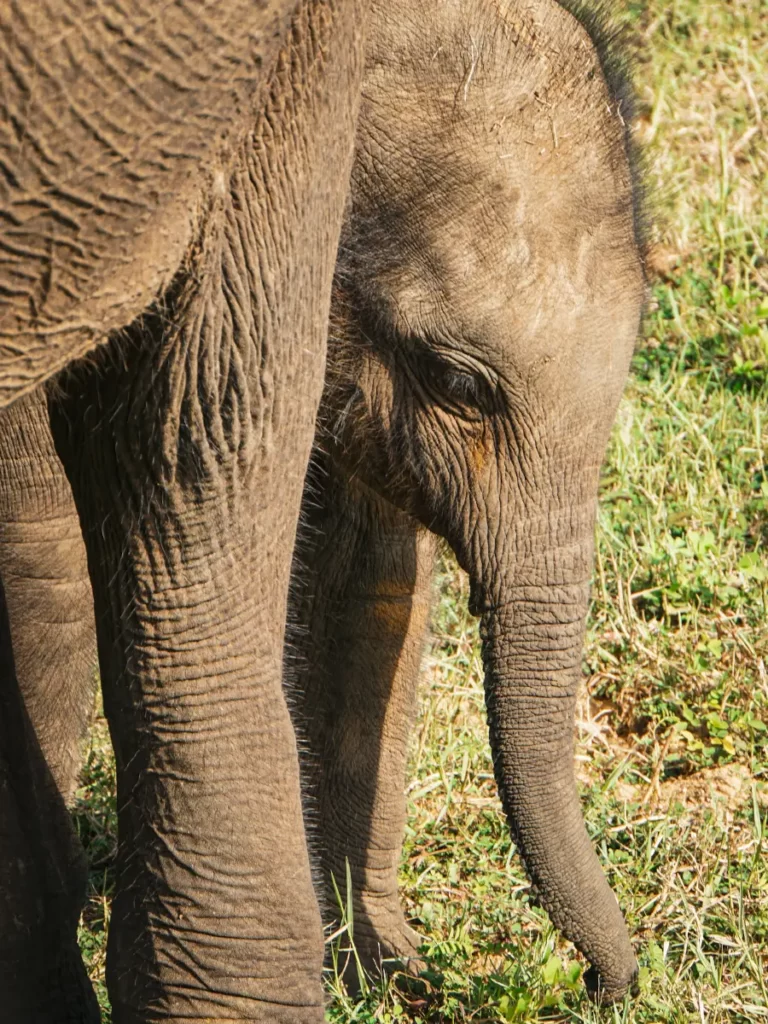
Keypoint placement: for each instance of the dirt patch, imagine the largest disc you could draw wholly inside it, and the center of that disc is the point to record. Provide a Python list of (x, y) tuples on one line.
[(724, 789)]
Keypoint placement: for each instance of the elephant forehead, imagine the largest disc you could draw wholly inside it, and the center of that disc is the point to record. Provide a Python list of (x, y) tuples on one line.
[(494, 156), (512, 262), (476, 224)]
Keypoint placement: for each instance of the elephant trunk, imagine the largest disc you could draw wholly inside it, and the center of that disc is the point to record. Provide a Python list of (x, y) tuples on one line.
[(532, 630)]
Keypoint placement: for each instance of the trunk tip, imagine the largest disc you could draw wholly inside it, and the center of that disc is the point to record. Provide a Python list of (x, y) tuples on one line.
[(604, 992)]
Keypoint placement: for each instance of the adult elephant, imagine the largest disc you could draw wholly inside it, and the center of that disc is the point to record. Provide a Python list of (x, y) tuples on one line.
[(172, 182)]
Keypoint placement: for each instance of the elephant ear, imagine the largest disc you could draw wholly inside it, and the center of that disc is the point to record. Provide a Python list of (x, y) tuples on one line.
[(104, 129)]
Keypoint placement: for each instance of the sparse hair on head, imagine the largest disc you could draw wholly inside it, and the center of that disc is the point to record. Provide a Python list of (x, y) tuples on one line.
[(611, 39)]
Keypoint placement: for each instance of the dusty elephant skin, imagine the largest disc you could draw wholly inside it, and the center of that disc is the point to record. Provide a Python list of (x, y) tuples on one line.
[(109, 113), (487, 298), (183, 178)]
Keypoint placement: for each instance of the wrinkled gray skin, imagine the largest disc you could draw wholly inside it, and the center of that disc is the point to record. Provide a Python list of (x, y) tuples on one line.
[(176, 174), (487, 298)]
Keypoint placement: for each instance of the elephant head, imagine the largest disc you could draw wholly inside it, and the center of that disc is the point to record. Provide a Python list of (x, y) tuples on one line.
[(487, 298)]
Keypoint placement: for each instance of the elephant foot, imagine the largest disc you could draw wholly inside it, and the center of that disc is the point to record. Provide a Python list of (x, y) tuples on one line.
[(82, 998), (61, 995), (385, 945), (604, 995)]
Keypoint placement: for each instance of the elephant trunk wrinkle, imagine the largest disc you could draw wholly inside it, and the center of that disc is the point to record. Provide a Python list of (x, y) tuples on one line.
[(532, 643)]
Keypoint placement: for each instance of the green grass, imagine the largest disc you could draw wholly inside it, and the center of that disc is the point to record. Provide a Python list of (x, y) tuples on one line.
[(672, 739)]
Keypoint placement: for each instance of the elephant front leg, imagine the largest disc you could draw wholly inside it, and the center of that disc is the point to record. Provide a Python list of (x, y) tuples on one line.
[(47, 661), (47, 590), (214, 917), (186, 442), (359, 609)]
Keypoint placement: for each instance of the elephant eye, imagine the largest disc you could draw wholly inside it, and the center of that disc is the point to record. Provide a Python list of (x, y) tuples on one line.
[(461, 385), (455, 388)]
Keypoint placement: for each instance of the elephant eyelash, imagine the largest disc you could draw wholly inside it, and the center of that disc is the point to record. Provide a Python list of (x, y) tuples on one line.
[(463, 392)]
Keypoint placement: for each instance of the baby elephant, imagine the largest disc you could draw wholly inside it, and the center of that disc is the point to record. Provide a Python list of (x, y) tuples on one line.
[(487, 296)]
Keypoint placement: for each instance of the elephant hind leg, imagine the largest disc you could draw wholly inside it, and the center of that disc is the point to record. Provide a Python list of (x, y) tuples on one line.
[(360, 604), (47, 654)]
